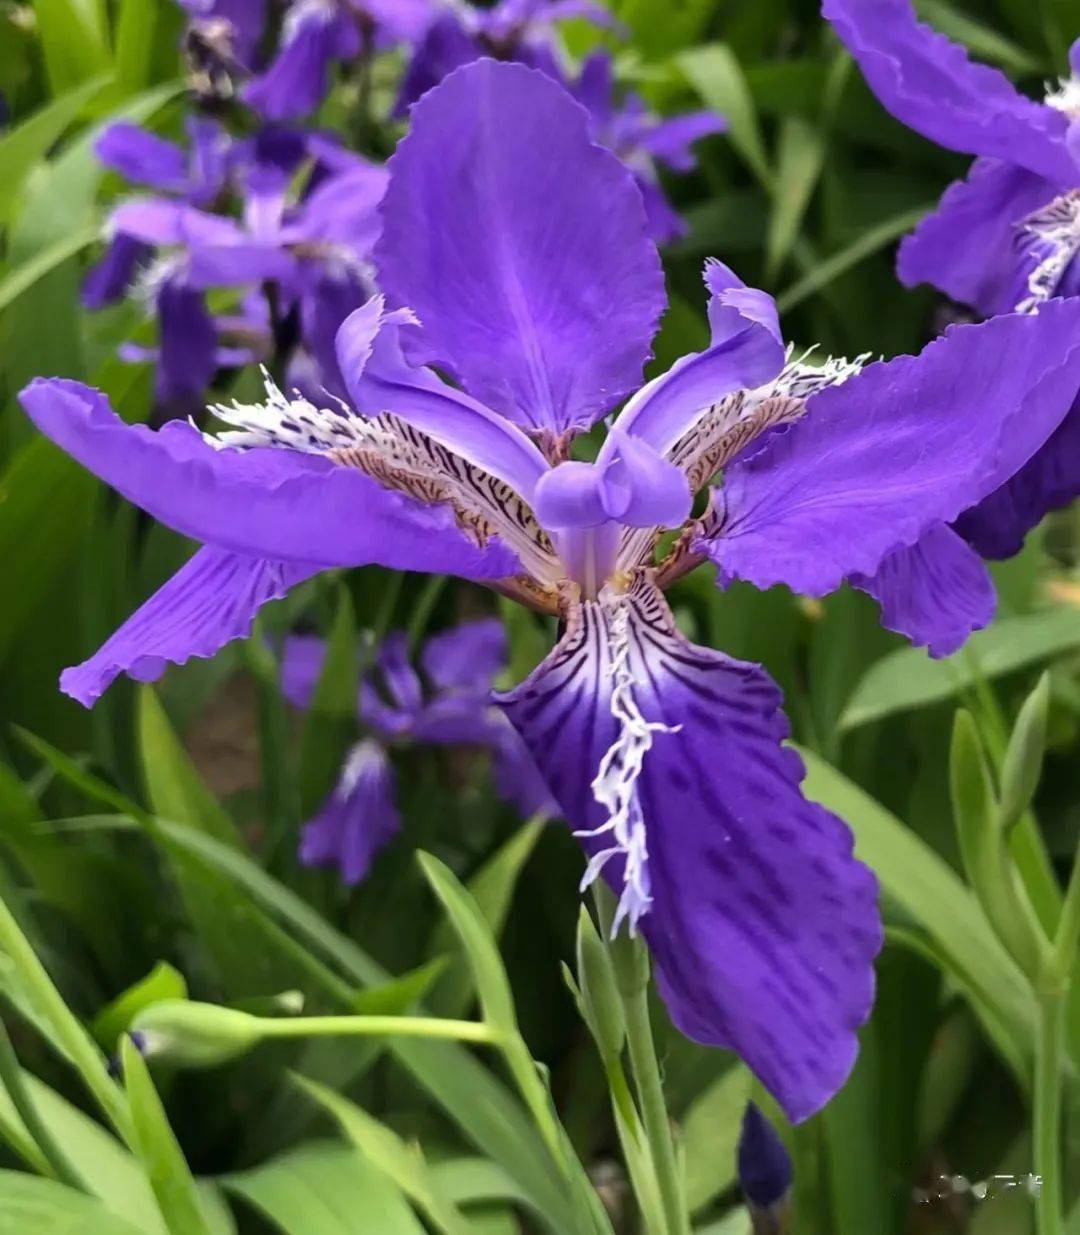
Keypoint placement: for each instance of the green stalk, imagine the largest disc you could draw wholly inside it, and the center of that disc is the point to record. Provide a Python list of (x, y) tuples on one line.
[(1050, 1060), (631, 965), (69, 1033), (422, 611), (1049, 1057), (377, 1026), (654, 1115)]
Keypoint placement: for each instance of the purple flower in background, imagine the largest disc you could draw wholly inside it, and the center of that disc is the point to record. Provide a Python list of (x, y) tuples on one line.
[(196, 176), (299, 268), (1007, 237), (448, 703), (515, 253), (525, 31), (316, 34)]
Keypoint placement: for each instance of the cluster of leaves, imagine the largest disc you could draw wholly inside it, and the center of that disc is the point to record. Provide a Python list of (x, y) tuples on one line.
[(147, 849)]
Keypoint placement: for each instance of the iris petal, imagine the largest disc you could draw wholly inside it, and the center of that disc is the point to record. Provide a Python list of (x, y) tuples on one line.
[(762, 924)]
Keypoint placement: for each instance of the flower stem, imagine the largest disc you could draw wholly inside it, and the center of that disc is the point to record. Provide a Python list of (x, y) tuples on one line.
[(381, 1026), (1049, 1056), (654, 1115), (1053, 989), (630, 962)]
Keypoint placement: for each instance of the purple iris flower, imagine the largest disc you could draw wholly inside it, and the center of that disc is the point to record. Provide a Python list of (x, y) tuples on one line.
[(196, 176), (516, 254), (316, 34), (1008, 236), (448, 703), (312, 257)]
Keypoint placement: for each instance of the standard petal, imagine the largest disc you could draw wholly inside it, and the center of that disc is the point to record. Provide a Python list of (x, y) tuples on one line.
[(879, 459), (928, 83), (521, 246), (357, 819), (142, 157), (1050, 479), (935, 592), (762, 924), (266, 502), (746, 351), (379, 380), (210, 601), (966, 247)]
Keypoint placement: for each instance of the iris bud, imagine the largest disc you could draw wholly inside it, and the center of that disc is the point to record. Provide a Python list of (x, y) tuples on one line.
[(765, 1173), (601, 1005), (195, 1035), (1023, 761), (984, 848)]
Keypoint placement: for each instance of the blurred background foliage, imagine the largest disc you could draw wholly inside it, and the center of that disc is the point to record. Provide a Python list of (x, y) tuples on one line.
[(805, 196)]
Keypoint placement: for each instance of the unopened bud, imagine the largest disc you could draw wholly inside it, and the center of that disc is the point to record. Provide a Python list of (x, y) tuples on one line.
[(195, 1035), (764, 1173)]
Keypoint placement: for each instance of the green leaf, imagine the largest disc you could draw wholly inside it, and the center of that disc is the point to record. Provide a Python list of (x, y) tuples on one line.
[(737, 1222), (917, 880), (322, 1189), (28, 143), (475, 1100), (468, 1180), (22, 277), (175, 789), (158, 1150), (1023, 761), (230, 930), (475, 935), (162, 982), (106, 1166), (135, 26), (44, 496), (74, 39), (601, 1004), (710, 1135), (832, 267), (400, 1162), (33, 1206), (497, 1004), (492, 887), (800, 158), (983, 848), (715, 72), (52, 1014), (908, 678)]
